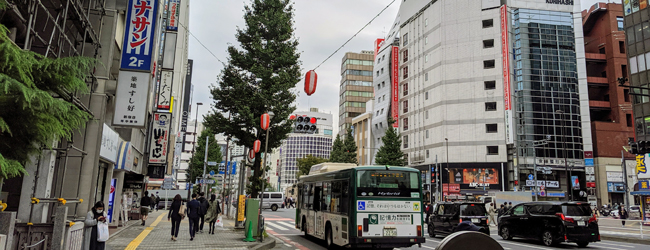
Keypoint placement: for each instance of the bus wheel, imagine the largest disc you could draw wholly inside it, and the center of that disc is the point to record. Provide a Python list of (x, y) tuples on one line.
[(328, 238), (304, 226), (274, 207)]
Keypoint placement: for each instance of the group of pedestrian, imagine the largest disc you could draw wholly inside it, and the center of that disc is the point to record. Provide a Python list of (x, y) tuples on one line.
[(289, 202), (198, 210), (493, 210), (155, 201)]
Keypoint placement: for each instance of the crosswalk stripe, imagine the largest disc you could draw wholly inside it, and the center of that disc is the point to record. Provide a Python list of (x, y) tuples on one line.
[(286, 224), (273, 225), (611, 244)]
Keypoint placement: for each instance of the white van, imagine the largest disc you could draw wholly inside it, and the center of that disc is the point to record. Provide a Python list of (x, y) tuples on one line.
[(273, 200)]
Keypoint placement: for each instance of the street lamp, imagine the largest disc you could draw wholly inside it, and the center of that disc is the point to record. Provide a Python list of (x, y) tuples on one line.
[(566, 165), (266, 122)]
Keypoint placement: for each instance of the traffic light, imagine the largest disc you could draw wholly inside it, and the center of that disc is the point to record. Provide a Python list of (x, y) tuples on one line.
[(305, 124), (634, 148)]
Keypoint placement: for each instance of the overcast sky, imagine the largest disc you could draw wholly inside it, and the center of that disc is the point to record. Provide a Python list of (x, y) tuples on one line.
[(322, 26)]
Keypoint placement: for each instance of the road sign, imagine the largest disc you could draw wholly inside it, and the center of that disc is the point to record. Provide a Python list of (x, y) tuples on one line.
[(209, 181), (531, 177), (212, 172), (212, 163), (168, 183)]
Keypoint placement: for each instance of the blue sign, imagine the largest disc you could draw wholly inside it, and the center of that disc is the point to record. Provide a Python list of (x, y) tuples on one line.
[(613, 187), (211, 172), (139, 35), (361, 205), (554, 194), (589, 162), (231, 165), (644, 185), (531, 177), (111, 201), (575, 183)]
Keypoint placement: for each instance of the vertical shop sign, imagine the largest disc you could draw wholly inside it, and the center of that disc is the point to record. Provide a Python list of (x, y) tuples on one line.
[(505, 46), (159, 138), (165, 90), (174, 6), (187, 94), (131, 98), (139, 34), (395, 83)]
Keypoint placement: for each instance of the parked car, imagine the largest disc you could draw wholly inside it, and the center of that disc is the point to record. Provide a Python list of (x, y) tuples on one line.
[(273, 200), (551, 222), (447, 216), (635, 212)]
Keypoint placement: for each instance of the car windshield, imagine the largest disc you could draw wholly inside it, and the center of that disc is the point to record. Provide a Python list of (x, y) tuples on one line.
[(388, 183), (472, 210), (576, 210)]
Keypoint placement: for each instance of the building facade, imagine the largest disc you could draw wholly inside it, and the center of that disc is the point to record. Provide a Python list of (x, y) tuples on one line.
[(610, 105), (356, 86), (299, 145), (478, 89), (363, 136)]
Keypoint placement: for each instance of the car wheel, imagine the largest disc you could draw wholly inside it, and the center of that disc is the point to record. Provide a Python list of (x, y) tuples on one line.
[(547, 238), (431, 231), (505, 233), (274, 207), (328, 238), (583, 243)]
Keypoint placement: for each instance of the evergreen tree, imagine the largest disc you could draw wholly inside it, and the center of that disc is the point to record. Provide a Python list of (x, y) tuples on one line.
[(336, 155), (257, 79), (195, 168), (305, 164), (31, 118), (390, 153), (349, 148)]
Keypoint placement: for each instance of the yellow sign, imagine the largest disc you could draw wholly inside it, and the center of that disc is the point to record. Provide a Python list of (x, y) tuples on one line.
[(640, 164), (240, 208), (416, 206)]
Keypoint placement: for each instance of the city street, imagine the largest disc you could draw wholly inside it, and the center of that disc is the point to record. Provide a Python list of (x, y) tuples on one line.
[(281, 225)]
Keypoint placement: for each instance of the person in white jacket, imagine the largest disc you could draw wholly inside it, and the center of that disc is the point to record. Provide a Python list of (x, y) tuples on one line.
[(95, 215)]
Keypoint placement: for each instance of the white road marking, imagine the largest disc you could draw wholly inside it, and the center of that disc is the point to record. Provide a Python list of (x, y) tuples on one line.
[(522, 245), (428, 247), (612, 244), (273, 225), (286, 224)]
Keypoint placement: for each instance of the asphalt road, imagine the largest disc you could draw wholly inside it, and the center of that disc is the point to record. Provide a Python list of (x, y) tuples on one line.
[(281, 225)]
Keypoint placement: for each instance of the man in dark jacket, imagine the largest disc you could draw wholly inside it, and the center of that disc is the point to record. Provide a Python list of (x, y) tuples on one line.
[(193, 208), (204, 204)]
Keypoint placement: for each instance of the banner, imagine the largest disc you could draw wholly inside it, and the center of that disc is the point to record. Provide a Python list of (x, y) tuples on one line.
[(111, 201), (474, 175), (505, 57), (174, 6), (159, 138), (187, 95), (395, 82), (627, 7), (131, 99), (139, 34)]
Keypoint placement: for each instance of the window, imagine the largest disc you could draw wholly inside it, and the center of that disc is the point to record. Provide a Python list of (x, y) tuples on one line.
[(492, 150), (427, 134), (405, 55), (630, 35), (490, 84), (619, 19), (427, 154), (405, 122), (626, 95), (624, 70), (405, 89), (426, 40), (426, 58), (405, 39), (490, 106), (405, 106), (426, 114), (491, 128), (382, 112), (383, 84), (381, 124), (646, 30), (405, 72), (405, 140), (276, 196), (426, 22), (376, 126), (621, 47), (377, 72), (488, 23), (488, 43), (377, 112), (426, 95), (382, 71), (488, 64), (345, 197), (378, 86), (356, 72), (426, 76), (638, 32), (628, 119)]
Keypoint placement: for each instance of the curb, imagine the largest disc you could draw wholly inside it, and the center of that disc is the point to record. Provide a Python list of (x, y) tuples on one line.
[(268, 244), (628, 240)]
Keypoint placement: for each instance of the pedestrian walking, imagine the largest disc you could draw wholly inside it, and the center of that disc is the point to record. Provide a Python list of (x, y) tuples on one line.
[(158, 201), (509, 206), (428, 210), (153, 202), (193, 207), (292, 202), (492, 211), (203, 209), (501, 211), (622, 213), (94, 216), (145, 202), (214, 211), (175, 215)]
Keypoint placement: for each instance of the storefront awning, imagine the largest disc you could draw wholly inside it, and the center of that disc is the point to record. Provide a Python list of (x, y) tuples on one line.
[(640, 193)]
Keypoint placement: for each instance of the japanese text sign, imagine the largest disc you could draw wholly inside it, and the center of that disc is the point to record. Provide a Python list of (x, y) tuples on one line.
[(159, 138), (174, 6), (131, 98), (139, 34), (165, 90)]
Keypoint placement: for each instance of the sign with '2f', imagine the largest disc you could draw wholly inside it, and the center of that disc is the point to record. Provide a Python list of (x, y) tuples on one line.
[(139, 34)]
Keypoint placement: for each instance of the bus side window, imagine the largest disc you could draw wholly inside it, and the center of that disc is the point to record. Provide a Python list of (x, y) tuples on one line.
[(318, 194), (336, 197), (310, 196), (327, 196), (345, 197)]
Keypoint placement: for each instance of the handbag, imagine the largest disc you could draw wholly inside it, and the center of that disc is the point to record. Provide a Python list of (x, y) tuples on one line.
[(181, 211), (219, 222), (102, 231)]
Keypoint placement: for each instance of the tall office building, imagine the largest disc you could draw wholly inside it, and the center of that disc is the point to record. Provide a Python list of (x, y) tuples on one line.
[(300, 144), (356, 86), (477, 89)]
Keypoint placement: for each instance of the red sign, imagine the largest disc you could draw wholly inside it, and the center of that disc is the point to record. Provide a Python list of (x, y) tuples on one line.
[(257, 145), (395, 78), (589, 154), (505, 57), (451, 188), (378, 43), (591, 184), (251, 155), (310, 82), (264, 121)]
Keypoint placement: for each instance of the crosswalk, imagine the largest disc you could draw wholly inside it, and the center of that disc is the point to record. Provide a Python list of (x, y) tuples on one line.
[(283, 226)]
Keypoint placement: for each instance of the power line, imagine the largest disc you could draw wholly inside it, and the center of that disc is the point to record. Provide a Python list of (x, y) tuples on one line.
[(362, 28), (197, 39)]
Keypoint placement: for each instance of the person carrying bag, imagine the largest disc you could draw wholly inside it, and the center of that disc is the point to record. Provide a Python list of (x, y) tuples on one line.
[(176, 215), (96, 228), (213, 215)]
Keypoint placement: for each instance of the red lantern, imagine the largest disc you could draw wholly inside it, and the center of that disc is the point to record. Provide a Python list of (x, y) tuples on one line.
[(310, 82), (265, 121), (257, 145), (251, 155)]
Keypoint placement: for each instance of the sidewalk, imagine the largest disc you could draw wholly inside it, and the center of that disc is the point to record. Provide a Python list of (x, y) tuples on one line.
[(156, 235)]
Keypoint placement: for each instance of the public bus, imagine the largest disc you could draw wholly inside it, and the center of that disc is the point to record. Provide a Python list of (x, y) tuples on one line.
[(361, 207)]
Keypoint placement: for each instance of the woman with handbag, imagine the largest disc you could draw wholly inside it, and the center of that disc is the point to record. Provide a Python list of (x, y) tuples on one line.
[(176, 214), (95, 217), (214, 210)]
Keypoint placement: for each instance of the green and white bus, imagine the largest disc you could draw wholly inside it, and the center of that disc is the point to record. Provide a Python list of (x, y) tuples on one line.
[(361, 207)]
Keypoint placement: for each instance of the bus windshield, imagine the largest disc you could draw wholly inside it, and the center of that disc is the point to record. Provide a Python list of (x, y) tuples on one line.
[(387, 183)]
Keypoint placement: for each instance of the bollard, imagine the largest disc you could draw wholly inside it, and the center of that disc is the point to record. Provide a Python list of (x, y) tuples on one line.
[(249, 235)]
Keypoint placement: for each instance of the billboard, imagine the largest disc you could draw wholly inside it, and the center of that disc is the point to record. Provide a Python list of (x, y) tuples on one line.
[(378, 43), (395, 84), (131, 98), (139, 34), (159, 138), (641, 167), (505, 46), (165, 90), (174, 6), (480, 176), (187, 94)]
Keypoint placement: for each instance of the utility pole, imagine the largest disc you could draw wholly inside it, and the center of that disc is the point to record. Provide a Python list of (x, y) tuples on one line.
[(205, 164), (448, 173), (627, 198)]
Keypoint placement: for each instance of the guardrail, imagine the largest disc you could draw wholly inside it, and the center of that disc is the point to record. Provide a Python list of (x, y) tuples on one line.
[(635, 229)]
